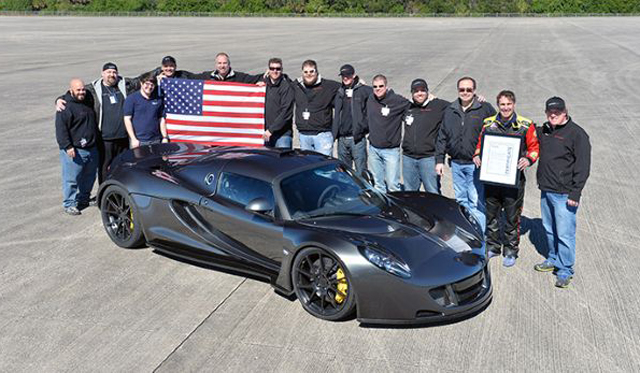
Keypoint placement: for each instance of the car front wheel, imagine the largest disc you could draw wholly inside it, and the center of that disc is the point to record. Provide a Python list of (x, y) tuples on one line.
[(323, 285), (120, 218)]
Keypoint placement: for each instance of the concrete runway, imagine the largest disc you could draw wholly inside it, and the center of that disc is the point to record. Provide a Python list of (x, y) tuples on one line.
[(70, 300)]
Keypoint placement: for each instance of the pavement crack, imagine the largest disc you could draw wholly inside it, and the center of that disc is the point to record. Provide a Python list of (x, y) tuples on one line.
[(199, 325)]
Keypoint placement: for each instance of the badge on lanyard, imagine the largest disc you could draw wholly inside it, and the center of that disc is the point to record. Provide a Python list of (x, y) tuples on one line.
[(113, 99), (408, 119), (385, 111), (306, 114), (349, 92)]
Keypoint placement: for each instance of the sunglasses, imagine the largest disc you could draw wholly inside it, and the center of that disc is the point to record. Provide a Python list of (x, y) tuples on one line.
[(309, 71), (275, 68), (469, 90), (378, 86)]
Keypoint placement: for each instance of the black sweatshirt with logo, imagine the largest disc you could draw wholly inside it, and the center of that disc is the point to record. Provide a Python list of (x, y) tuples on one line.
[(421, 125), (76, 125), (385, 119), (317, 101)]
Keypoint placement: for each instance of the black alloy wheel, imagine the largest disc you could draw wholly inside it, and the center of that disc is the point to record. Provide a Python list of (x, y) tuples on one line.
[(323, 285), (120, 218)]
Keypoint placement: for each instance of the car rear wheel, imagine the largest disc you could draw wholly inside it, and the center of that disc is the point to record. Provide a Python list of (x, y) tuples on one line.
[(120, 218), (323, 285)]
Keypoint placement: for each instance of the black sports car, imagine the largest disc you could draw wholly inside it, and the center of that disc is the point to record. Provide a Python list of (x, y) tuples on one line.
[(306, 223)]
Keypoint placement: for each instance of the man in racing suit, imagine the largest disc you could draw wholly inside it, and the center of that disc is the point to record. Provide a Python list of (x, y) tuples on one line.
[(509, 198)]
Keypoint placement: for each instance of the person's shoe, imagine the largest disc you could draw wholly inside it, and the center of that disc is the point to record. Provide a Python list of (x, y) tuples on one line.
[(72, 210), (509, 261), (563, 282), (93, 201), (545, 266), (492, 254)]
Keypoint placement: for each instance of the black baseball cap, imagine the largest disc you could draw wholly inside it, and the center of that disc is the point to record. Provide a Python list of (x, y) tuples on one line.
[(168, 60), (347, 70), (419, 84), (109, 65), (555, 103)]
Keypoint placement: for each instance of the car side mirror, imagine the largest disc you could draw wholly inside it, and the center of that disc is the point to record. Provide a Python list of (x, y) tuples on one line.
[(368, 177), (260, 205)]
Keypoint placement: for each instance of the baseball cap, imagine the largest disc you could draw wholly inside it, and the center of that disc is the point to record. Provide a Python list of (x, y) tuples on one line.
[(347, 70), (109, 65), (555, 103), (168, 60), (419, 84)]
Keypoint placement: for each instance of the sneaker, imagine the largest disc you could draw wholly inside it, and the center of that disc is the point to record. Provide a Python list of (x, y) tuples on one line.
[(492, 254), (72, 210), (563, 282), (509, 261), (93, 201), (545, 266)]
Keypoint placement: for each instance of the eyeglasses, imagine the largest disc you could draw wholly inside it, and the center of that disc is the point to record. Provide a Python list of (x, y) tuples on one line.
[(275, 68), (309, 72), (149, 83), (462, 90), (378, 86)]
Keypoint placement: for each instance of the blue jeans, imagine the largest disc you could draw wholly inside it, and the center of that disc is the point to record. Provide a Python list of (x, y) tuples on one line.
[(283, 141), (78, 175), (559, 222), (468, 190), (417, 171), (385, 167), (350, 152), (321, 143)]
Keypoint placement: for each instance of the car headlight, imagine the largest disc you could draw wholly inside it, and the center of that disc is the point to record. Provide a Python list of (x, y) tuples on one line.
[(472, 219), (386, 261)]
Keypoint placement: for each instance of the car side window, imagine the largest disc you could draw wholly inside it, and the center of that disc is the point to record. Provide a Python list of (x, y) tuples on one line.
[(243, 189)]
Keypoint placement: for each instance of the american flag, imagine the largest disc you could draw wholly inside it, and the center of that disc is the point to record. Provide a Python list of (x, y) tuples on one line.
[(214, 113)]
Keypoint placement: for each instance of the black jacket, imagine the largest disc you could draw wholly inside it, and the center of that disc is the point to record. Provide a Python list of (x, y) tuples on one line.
[(358, 102), (278, 108), (178, 74), (421, 125), (318, 101), (565, 159), (76, 125), (385, 119), (232, 76), (460, 130)]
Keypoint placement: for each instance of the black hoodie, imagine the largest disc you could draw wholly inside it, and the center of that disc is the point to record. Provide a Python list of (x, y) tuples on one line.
[(317, 101), (350, 117), (278, 108), (232, 76), (385, 119), (421, 125), (76, 125)]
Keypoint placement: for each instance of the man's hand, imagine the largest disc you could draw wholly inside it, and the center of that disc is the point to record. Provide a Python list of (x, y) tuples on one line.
[(61, 104), (261, 84), (71, 152), (267, 135), (572, 203), (165, 140), (523, 163), (440, 169), (481, 98), (477, 161), (135, 143)]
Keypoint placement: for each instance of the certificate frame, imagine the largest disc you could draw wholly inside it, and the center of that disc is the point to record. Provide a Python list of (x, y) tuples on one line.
[(499, 155)]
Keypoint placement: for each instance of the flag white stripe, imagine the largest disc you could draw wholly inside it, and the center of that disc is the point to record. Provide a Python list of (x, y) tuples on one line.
[(177, 127), (233, 88), (232, 98), (233, 109), (218, 139), (197, 118)]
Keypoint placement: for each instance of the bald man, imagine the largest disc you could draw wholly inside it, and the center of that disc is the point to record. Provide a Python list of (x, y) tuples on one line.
[(77, 135)]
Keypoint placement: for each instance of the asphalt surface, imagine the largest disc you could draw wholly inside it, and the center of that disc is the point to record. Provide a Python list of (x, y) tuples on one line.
[(70, 300)]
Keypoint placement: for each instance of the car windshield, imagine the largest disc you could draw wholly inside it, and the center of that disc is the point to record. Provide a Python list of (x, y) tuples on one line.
[(329, 190)]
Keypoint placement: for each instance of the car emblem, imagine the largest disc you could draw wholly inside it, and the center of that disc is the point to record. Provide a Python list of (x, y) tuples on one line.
[(209, 179)]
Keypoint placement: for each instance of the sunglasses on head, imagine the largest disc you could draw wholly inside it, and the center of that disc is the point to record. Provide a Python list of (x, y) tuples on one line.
[(461, 90)]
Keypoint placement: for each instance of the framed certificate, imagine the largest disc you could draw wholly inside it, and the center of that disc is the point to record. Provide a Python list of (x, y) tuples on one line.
[(499, 155)]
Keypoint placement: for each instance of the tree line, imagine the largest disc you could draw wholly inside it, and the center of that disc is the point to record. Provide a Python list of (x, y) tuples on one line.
[(320, 7)]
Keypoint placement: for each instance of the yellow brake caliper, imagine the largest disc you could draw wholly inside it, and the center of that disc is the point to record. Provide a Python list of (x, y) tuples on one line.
[(342, 286), (131, 220)]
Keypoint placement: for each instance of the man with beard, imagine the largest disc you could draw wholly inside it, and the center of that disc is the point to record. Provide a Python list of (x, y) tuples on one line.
[(350, 119), (278, 110), (109, 93), (421, 124), (314, 98), (76, 133)]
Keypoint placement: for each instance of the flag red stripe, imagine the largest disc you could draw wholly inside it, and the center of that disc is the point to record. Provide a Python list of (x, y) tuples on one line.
[(233, 93), (232, 115), (219, 134), (234, 104), (216, 124)]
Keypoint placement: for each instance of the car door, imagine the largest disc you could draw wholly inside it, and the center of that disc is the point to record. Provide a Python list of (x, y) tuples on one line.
[(254, 237)]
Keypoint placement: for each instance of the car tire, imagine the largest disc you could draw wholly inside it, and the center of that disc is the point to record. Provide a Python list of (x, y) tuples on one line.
[(120, 218), (323, 285)]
